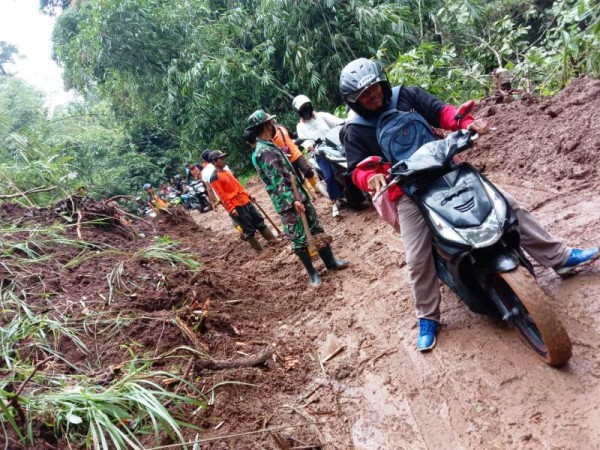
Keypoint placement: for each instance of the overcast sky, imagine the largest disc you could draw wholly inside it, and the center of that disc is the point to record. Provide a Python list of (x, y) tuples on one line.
[(22, 24)]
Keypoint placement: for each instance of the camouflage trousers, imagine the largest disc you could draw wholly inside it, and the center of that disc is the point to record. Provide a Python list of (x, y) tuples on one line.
[(294, 228)]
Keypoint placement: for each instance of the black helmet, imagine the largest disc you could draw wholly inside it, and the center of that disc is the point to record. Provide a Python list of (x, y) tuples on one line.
[(358, 76), (250, 136), (205, 155)]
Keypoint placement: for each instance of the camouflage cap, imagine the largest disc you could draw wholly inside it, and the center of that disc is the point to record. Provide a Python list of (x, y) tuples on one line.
[(258, 118)]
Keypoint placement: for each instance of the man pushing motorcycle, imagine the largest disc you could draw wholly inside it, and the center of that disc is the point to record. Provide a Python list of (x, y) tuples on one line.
[(409, 113)]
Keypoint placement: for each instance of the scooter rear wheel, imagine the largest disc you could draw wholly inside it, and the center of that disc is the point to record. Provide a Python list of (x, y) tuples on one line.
[(536, 321)]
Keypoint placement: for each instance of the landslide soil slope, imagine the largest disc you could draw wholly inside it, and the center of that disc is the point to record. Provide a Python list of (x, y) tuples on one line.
[(480, 388)]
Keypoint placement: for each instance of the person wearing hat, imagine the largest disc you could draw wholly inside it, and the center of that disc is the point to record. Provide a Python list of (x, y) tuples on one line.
[(208, 170), (276, 172), (238, 203), (281, 138)]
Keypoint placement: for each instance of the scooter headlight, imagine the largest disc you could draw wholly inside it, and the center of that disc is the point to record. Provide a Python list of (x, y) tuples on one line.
[(445, 230), (491, 230)]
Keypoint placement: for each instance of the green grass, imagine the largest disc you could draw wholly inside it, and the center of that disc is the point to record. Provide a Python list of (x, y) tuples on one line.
[(115, 417), (245, 178), (79, 405), (84, 403)]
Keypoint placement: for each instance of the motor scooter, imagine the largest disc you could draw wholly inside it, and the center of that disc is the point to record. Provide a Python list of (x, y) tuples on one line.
[(198, 196), (476, 241), (333, 151)]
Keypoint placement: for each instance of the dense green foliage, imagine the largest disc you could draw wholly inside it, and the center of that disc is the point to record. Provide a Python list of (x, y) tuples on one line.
[(80, 146), (175, 78), (543, 44)]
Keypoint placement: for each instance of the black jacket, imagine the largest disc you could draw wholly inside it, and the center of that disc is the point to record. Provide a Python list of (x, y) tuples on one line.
[(361, 142)]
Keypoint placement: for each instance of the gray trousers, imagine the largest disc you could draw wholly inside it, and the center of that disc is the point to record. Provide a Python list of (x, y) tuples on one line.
[(417, 239)]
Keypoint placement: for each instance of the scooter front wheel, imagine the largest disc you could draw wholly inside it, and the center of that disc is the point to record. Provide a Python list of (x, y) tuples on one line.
[(532, 315)]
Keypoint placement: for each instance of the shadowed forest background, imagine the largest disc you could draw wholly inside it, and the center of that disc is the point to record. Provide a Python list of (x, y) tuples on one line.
[(161, 81)]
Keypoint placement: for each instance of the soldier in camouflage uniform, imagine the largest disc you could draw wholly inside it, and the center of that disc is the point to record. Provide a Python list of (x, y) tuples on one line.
[(276, 172)]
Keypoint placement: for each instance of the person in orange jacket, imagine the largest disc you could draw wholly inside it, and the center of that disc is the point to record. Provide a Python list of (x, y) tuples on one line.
[(238, 203), (283, 140), (155, 201)]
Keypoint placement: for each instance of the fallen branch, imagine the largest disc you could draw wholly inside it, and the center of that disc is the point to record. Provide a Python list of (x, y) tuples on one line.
[(310, 419), (236, 363), (281, 442), (15, 400), (334, 354), (133, 216), (229, 436), (189, 333), (186, 374), (117, 197), (221, 257), (320, 363), (26, 193)]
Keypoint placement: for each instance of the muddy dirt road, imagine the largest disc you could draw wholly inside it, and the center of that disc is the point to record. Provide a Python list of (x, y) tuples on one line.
[(345, 373), (481, 387)]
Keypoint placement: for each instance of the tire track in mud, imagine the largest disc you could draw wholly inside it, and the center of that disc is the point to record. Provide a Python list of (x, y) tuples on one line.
[(471, 392), (480, 388)]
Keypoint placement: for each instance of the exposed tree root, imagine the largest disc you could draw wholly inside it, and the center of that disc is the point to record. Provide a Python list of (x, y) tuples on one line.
[(236, 363)]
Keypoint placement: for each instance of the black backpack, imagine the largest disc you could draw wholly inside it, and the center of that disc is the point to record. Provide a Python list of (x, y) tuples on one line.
[(399, 133)]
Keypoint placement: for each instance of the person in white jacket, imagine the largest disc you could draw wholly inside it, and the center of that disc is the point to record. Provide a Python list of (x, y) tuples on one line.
[(313, 126)]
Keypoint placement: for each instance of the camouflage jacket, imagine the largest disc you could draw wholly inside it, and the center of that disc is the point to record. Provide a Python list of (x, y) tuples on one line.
[(276, 171)]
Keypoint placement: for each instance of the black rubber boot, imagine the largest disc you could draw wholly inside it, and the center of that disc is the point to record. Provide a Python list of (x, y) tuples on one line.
[(255, 244), (269, 236), (313, 275), (331, 263)]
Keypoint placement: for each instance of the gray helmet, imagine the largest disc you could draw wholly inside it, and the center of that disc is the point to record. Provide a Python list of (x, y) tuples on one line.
[(147, 186), (358, 76)]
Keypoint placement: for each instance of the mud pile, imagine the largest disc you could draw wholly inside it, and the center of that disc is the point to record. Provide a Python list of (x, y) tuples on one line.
[(344, 373), (549, 140), (157, 303)]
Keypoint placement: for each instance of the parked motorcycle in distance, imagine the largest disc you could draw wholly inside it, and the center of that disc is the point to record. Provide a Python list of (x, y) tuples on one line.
[(146, 211), (197, 196), (174, 198), (333, 151), (476, 242)]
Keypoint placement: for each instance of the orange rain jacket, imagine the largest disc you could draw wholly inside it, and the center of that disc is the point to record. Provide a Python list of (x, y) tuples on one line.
[(283, 140), (229, 190)]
